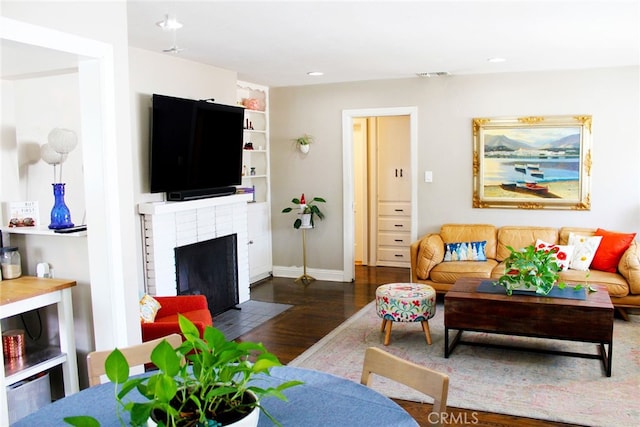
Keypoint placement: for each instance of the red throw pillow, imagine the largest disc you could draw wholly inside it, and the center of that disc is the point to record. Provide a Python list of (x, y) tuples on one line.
[(610, 250)]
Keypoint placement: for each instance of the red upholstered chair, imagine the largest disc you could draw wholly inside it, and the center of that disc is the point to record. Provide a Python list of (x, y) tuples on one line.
[(193, 307)]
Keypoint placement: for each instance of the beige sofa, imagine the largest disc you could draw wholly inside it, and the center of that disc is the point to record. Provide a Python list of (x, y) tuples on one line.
[(427, 255)]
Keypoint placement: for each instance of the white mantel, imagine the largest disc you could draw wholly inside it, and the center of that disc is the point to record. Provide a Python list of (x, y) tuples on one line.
[(167, 225)]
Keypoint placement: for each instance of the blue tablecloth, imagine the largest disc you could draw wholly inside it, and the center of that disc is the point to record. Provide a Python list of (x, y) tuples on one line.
[(324, 400)]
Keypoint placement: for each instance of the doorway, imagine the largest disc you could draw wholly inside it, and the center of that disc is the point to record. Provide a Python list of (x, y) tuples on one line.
[(360, 185)]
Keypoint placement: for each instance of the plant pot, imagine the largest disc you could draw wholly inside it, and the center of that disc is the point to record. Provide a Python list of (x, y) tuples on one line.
[(306, 220), (304, 148), (249, 420)]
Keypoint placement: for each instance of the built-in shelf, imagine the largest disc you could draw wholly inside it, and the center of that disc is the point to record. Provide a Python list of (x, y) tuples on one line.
[(41, 231), (34, 361)]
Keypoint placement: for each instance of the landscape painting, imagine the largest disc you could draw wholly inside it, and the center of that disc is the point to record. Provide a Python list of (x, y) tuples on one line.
[(532, 162)]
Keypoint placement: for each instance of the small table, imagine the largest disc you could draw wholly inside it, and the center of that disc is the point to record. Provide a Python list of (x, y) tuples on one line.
[(323, 400), (589, 320), (30, 293)]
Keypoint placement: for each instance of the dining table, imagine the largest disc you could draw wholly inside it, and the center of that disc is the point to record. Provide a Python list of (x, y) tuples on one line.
[(322, 400)]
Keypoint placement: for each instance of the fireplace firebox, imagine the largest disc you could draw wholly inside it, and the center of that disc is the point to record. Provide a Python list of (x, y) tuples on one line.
[(210, 268)]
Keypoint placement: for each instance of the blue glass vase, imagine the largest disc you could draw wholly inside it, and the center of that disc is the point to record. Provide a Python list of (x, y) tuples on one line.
[(60, 214)]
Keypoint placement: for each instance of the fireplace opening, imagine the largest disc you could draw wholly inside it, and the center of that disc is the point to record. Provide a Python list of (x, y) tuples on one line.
[(210, 268)]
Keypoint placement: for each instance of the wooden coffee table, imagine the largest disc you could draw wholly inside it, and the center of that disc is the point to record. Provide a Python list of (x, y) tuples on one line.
[(589, 320)]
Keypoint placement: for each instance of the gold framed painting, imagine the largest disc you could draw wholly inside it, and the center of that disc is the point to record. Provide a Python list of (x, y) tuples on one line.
[(532, 162)]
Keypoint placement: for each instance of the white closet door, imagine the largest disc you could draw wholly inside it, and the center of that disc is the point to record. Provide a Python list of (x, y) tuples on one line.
[(394, 162)]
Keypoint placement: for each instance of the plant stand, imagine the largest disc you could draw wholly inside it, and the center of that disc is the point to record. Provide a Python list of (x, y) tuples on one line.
[(305, 278)]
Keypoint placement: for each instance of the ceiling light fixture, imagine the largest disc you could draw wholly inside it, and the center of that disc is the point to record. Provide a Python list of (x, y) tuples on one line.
[(315, 73), (174, 48), (434, 74), (169, 23), (496, 59)]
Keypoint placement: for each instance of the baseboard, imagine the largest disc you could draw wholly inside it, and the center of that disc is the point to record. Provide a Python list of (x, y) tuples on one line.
[(318, 274)]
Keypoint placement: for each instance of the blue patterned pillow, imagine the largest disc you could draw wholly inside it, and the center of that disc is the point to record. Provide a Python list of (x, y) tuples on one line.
[(465, 251)]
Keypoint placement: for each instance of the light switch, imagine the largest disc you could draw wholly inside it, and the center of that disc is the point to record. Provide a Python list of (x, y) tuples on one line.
[(428, 176)]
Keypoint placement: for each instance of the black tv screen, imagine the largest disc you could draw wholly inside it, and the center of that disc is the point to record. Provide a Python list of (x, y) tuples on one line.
[(196, 147)]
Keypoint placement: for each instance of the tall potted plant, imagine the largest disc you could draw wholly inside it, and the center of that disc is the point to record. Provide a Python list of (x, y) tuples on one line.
[(307, 211), (213, 388)]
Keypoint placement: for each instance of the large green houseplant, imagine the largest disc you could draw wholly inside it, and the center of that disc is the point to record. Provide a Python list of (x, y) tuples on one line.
[(532, 269), (209, 390), (306, 208)]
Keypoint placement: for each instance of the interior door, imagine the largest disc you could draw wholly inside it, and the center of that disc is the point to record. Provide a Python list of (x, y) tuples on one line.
[(381, 147)]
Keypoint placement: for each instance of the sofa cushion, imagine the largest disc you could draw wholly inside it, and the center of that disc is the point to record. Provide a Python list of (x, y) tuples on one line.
[(584, 249), (465, 251), (611, 248), (431, 253), (202, 316), (149, 307), (453, 233), (565, 232), (563, 253), (629, 267), (519, 237), (615, 283), (449, 272)]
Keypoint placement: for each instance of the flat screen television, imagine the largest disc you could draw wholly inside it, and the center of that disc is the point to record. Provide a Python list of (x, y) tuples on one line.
[(195, 148)]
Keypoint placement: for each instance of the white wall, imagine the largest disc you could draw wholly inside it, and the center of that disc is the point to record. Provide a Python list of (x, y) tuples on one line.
[(446, 107), (180, 78), (42, 104)]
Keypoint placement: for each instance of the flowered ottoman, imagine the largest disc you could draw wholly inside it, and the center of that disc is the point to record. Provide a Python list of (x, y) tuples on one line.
[(405, 302)]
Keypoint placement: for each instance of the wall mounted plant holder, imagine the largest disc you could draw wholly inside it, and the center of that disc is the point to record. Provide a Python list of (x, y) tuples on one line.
[(303, 142)]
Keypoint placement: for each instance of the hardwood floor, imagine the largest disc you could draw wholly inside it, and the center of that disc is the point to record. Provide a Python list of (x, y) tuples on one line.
[(295, 330)]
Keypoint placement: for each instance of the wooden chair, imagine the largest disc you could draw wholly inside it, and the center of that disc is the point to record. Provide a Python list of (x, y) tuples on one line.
[(139, 354), (421, 378)]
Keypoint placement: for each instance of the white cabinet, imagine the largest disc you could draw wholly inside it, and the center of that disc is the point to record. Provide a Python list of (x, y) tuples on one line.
[(257, 177), (259, 232), (394, 191)]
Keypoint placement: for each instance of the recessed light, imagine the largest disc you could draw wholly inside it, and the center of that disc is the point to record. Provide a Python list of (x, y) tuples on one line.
[(315, 73), (496, 60)]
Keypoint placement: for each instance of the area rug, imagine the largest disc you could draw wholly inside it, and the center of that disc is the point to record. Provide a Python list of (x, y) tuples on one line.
[(525, 384)]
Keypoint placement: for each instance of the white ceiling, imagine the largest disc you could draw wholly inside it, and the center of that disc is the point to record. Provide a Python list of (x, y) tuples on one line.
[(277, 42)]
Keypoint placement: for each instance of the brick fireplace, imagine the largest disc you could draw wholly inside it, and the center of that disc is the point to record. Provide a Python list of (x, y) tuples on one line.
[(169, 225)]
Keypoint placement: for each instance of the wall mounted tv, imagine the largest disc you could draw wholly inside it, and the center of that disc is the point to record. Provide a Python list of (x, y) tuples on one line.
[(195, 148)]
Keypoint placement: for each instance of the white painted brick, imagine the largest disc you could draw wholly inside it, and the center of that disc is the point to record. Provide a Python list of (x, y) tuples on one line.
[(165, 231)]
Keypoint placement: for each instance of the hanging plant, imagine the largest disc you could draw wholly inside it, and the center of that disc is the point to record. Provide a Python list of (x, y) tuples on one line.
[(303, 142)]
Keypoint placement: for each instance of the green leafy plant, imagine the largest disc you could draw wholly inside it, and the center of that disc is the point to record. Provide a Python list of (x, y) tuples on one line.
[(305, 207), (304, 139), (533, 269), (212, 385), (530, 268)]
